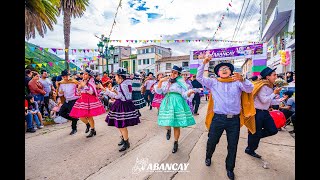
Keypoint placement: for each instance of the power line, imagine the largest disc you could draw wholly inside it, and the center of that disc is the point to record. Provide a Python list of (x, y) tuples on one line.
[(238, 19), (242, 19), (114, 19)]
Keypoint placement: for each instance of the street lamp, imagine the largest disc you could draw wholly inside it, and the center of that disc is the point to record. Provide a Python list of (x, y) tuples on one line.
[(100, 49)]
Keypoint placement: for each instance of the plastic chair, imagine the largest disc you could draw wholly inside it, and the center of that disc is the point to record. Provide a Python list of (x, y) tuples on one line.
[(289, 120)]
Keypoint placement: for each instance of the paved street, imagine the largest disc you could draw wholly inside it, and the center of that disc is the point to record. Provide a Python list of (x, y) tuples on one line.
[(51, 153)]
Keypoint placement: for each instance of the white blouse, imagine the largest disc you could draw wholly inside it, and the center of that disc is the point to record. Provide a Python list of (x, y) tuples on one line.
[(175, 87), (126, 86)]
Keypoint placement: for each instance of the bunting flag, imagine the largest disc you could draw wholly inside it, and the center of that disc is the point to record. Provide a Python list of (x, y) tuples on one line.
[(25, 66), (66, 50), (40, 65), (33, 65), (57, 63), (33, 48), (44, 64)]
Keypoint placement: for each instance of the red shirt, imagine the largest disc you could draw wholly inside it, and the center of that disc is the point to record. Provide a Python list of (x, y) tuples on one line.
[(104, 80), (25, 103)]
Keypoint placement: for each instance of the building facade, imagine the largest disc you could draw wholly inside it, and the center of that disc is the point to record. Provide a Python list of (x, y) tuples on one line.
[(247, 68), (130, 63), (277, 28), (148, 55), (120, 52), (165, 64)]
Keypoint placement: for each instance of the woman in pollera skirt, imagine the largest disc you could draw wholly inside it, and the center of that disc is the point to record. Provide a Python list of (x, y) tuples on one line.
[(157, 97), (123, 112), (137, 98), (174, 110), (88, 105)]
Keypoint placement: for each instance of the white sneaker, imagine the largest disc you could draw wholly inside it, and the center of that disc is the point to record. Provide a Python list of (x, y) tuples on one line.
[(40, 127), (35, 128)]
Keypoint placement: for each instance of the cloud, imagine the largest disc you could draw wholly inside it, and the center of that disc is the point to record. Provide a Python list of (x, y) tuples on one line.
[(165, 19)]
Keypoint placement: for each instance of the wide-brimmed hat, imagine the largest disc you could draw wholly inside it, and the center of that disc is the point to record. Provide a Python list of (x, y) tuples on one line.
[(150, 73), (65, 73), (177, 68), (90, 72), (266, 71), (217, 67)]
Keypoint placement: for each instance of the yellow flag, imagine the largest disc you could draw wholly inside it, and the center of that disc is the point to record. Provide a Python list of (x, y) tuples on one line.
[(40, 65), (66, 50), (94, 57), (44, 64)]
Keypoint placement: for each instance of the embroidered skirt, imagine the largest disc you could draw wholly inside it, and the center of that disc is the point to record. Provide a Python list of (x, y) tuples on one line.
[(175, 112), (138, 100), (87, 106), (157, 100), (122, 114)]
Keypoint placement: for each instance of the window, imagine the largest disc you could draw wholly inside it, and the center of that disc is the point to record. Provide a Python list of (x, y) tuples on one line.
[(139, 62), (143, 51), (152, 50), (168, 66), (147, 50), (185, 64), (152, 60), (147, 60), (159, 51), (116, 59), (152, 70), (144, 61)]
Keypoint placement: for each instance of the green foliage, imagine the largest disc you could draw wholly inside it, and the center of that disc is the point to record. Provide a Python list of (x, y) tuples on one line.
[(37, 57)]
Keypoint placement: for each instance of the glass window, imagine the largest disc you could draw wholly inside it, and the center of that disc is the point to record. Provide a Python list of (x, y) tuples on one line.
[(159, 51), (152, 60), (147, 50), (152, 70), (185, 64), (116, 59), (147, 60), (152, 50), (144, 61), (139, 62), (168, 66), (143, 51)]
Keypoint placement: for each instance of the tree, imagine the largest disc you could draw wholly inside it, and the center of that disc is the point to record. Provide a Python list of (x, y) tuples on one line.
[(40, 15), (75, 8)]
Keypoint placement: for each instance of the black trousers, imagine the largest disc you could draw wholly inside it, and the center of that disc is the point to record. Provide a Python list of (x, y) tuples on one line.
[(45, 105), (196, 102), (220, 123), (264, 127), (149, 101), (65, 111)]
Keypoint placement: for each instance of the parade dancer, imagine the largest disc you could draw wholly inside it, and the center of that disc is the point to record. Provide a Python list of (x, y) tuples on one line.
[(122, 113), (157, 97), (227, 91), (67, 88), (174, 110), (264, 95), (186, 77), (88, 105), (137, 98), (150, 81)]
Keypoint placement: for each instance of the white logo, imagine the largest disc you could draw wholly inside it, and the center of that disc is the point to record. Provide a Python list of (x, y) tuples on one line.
[(143, 165)]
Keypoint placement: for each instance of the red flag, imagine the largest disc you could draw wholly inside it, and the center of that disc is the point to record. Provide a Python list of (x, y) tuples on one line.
[(230, 5)]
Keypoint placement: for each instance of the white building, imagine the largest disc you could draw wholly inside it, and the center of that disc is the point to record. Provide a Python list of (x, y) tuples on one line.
[(166, 63), (148, 55), (277, 28)]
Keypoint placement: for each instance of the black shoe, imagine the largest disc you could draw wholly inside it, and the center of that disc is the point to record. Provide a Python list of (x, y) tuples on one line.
[(88, 128), (291, 132), (230, 174), (175, 147), (121, 142), (168, 134), (31, 130), (125, 145), (150, 107), (92, 133), (73, 131), (208, 161), (252, 153)]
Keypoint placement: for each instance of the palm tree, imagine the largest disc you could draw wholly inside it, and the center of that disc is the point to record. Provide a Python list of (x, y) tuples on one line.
[(75, 8), (40, 15)]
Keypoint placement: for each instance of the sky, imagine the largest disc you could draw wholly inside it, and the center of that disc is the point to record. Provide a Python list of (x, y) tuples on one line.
[(161, 20)]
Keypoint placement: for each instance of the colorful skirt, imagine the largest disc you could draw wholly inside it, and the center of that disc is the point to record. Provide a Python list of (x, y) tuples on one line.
[(122, 114), (190, 105), (175, 112), (157, 100), (87, 106), (138, 100)]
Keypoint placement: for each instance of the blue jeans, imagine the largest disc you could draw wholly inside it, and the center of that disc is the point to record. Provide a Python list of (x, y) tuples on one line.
[(29, 120), (232, 127), (264, 127)]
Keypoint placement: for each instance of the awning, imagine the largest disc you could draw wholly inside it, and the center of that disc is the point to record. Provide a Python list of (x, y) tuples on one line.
[(276, 22)]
